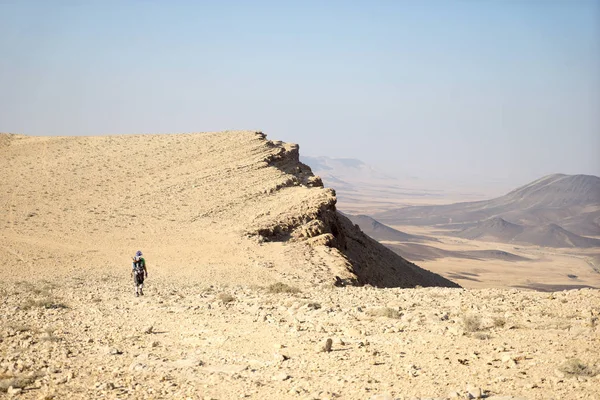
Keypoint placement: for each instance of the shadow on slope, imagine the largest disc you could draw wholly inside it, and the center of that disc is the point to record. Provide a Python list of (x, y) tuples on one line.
[(422, 252), (542, 287)]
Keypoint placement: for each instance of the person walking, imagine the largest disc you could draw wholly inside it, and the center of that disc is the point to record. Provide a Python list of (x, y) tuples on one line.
[(139, 272)]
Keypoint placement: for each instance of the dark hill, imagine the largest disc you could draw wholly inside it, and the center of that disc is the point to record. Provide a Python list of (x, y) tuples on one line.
[(553, 235), (379, 231), (493, 229)]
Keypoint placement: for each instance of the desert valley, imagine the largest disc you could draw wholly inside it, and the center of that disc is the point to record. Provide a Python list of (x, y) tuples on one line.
[(269, 279), (544, 235)]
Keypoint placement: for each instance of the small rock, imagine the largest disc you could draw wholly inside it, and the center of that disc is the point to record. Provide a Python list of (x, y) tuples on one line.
[(136, 366), (327, 346), (474, 392), (149, 330), (114, 351), (531, 385), (106, 386), (12, 391), (280, 377), (61, 380)]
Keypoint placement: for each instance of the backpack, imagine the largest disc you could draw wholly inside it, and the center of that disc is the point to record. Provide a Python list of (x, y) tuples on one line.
[(138, 264)]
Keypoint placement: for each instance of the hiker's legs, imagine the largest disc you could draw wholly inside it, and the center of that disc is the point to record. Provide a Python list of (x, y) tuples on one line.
[(136, 284), (139, 283)]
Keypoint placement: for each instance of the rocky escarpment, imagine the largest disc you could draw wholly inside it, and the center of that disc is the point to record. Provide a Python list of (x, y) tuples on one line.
[(316, 222)]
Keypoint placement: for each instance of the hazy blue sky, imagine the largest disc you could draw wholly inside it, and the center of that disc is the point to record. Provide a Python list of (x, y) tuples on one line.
[(496, 89)]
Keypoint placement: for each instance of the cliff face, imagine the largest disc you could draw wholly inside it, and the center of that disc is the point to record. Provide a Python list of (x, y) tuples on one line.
[(225, 207), (317, 223)]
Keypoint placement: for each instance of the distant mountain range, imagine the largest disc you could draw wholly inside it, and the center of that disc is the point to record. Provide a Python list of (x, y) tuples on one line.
[(554, 211), (413, 247)]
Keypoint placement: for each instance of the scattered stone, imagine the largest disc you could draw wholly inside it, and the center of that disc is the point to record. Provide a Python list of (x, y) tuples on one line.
[(474, 392), (61, 380), (113, 351), (148, 330), (327, 345), (280, 377), (106, 386)]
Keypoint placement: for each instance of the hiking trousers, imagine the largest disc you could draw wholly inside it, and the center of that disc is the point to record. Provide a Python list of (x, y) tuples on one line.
[(138, 280)]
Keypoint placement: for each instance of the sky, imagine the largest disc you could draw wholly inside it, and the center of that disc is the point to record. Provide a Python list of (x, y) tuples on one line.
[(480, 91)]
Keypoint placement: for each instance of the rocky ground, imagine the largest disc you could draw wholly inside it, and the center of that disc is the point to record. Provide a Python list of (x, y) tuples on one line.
[(89, 337), (243, 245)]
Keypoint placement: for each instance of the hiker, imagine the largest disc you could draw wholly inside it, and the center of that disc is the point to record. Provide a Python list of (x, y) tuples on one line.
[(138, 273)]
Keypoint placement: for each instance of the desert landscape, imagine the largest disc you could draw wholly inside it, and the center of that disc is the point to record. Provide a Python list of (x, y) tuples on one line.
[(544, 235), (260, 288)]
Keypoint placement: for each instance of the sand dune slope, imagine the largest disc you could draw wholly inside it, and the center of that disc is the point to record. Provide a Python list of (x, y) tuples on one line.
[(227, 207)]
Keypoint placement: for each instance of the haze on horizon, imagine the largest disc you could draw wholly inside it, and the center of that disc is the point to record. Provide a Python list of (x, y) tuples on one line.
[(503, 91)]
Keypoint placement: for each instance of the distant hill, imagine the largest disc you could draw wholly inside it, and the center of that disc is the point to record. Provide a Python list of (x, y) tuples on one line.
[(411, 247), (379, 231), (556, 201), (498, 230), (553, 235), (494, 229)]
